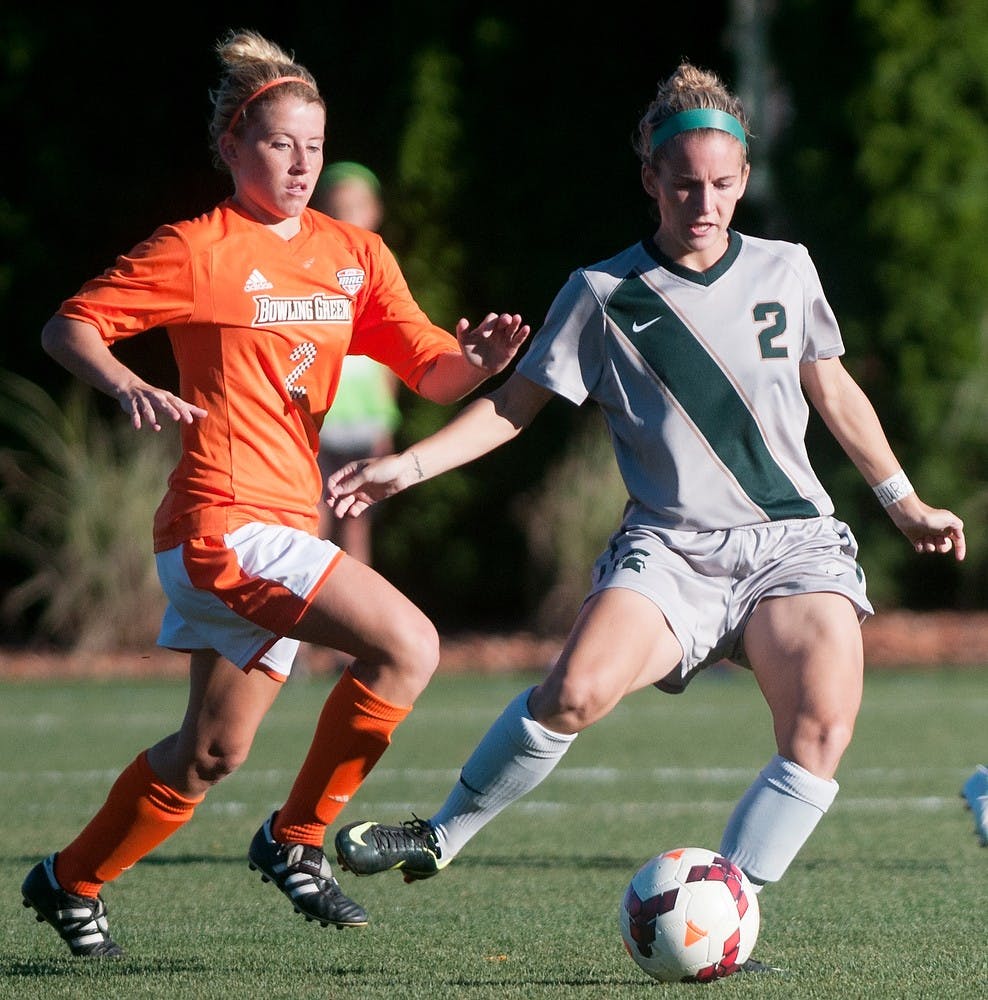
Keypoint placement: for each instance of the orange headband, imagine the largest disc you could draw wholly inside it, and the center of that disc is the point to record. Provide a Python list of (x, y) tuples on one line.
[(260, 90)]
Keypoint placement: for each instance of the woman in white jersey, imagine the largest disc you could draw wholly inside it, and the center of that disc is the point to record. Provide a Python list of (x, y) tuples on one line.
[(700, 346)]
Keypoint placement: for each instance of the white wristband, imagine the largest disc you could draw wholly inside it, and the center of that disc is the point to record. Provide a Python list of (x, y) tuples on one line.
[(893, 489)]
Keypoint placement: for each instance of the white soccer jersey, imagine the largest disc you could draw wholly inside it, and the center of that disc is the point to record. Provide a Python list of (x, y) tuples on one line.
[(697, 375)]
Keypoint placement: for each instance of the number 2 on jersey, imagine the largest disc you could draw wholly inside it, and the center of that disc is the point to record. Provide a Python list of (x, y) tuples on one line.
[(775, 315)]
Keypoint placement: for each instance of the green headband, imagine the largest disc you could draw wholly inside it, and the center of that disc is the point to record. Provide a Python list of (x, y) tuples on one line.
[(687, 121), (346, 170)]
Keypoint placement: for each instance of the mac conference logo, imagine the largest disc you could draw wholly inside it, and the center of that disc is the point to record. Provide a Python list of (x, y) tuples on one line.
[(351, 279)]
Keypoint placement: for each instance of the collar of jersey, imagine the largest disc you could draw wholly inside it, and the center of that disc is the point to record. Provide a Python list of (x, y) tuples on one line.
[(707, 277)]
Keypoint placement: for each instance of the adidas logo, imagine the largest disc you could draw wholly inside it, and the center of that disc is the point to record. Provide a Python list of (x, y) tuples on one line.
[(256, 281)]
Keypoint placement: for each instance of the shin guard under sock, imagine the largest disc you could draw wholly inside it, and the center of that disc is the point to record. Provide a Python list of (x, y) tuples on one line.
[(353, 731), (139, 814), (774, 818), (515, 755)]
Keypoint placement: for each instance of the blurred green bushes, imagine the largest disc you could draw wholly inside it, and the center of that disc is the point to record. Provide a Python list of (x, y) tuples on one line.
[(506, 163)]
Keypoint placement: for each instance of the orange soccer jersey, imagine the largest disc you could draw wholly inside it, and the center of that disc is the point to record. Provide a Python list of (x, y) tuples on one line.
[(259, 327)]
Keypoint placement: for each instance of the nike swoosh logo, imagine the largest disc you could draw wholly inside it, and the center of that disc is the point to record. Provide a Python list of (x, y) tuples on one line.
[(356, 833), (638, 327)]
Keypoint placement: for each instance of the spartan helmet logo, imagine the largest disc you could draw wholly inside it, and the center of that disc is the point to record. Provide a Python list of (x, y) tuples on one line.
[(634, 560)]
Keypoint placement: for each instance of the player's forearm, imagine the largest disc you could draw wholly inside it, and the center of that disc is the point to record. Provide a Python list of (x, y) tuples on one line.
[(474, 432), (451, 377), (851, 419), (79, 348), (860, 434)]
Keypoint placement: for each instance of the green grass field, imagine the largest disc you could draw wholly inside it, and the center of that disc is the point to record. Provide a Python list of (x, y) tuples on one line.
[(888, 899)]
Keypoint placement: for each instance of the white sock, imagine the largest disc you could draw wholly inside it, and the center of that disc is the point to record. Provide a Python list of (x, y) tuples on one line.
[(774, 818), (514, 756)]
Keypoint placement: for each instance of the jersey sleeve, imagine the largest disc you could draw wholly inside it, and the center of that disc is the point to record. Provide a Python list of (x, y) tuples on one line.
[(390, 327), (566, 354), (150, 286), (822, 334)]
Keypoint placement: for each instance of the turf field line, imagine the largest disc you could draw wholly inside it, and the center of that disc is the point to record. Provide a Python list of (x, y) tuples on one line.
[(584, 775), (394, 810)]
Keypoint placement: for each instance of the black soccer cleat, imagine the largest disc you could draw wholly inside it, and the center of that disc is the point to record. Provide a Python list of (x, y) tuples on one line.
[(79, 920), (754, 966), (368, 848), (303, 874)]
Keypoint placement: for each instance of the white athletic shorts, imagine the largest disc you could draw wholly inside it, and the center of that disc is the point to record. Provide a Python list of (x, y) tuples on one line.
[(708, 583), (241, 592)]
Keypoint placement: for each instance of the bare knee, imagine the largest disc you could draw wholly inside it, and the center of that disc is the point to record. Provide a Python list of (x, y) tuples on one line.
[(421, 650), (566, 706), (400, 667), (217, 761), (194, 769), (413, 651), (819, 744)]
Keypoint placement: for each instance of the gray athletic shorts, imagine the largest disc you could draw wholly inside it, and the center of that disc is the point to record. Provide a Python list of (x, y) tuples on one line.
[(708, 583)]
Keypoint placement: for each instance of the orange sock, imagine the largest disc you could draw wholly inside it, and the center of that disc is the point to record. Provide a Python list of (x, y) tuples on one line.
[(354, 729), (139, 813)]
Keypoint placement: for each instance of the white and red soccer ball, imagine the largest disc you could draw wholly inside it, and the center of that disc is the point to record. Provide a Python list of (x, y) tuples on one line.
[(689, 915)]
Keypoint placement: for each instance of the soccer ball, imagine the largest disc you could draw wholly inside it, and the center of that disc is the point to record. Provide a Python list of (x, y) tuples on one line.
[(689, 915)]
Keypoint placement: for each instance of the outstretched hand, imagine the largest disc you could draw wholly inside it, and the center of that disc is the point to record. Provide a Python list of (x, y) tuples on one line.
[(148, 405), (358, 485), (491, 345), (930, 529)]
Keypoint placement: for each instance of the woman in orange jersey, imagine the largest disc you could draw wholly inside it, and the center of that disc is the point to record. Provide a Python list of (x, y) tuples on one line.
[(262, 298)]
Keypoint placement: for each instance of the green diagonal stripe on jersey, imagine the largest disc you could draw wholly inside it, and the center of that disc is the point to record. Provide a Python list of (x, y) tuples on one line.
[(706, 395)]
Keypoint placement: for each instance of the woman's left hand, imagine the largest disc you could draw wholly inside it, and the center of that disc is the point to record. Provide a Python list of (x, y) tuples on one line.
[(929, 529)]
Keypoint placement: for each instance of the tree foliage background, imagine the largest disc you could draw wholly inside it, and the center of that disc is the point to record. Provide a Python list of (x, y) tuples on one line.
[(501, 132)]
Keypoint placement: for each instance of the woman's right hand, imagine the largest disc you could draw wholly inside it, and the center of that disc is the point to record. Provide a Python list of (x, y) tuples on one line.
[(147, 405), (358, 485), (80, 349)]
